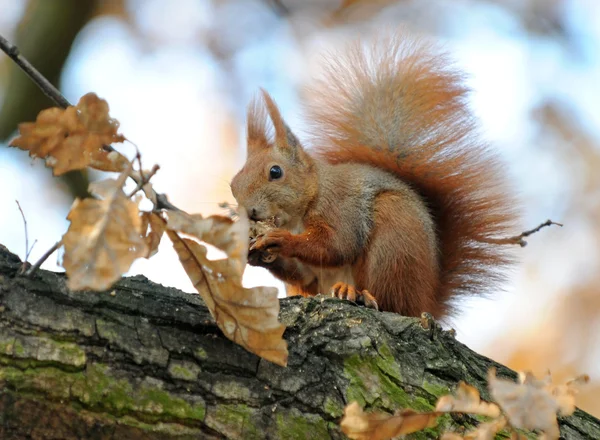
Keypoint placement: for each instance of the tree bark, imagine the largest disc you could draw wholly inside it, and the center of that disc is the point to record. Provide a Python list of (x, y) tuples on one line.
[(148, 362)]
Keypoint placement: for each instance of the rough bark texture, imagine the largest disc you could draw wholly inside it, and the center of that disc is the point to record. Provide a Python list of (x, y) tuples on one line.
[(148, 362)]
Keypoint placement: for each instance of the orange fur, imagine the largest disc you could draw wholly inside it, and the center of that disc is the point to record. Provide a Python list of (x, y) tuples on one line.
[(400, 189)]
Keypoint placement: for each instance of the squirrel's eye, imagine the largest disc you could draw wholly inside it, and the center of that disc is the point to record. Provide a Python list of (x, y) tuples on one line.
[(275, 172)]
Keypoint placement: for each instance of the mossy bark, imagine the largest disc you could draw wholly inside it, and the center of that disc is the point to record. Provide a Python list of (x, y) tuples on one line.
[(148, 362)]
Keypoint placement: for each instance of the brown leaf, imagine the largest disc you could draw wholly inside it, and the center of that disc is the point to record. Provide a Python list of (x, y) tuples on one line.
[(529, 404), (72, 138), (215, 230), (359, 425), (153, 226), (104, 237), (249, 317), (467, 400)]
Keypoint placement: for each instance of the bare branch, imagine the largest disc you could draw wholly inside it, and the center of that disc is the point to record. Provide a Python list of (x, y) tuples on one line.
[(144, 179), (26, 233), (42, 259), (519, 239), (45, 86)]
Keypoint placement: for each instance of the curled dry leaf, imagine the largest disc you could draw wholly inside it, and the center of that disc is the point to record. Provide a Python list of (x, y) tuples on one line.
[(72, 138), (104, 237), (564, 395), (249, 317), (359, 425), (467, 400), (534, 403), (216, 230), (153, 228)]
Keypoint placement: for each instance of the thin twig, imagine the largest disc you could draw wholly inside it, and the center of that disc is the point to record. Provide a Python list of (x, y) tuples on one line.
[(43, 258), (519, 239), (45, 86), (52, 92), (145, 178), (26, 233)]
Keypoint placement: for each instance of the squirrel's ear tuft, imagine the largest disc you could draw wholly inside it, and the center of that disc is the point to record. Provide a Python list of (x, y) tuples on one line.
[(285, 140), (258, 131)]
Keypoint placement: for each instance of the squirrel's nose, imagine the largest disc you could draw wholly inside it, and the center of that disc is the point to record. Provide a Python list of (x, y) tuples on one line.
[(252, 214)]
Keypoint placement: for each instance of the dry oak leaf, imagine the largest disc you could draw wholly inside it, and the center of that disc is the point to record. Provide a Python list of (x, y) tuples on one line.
[(104, 237), (249, 317), (467, 400), (533, 403), (359, 425), (216, 230), (73, 138), (153, 228)]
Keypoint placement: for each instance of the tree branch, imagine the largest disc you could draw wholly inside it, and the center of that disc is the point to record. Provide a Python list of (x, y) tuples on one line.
[(150, 362), (45, 86), (519, 239)]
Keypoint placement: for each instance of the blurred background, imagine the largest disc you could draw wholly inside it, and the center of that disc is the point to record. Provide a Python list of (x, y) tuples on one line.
[(178, 76)]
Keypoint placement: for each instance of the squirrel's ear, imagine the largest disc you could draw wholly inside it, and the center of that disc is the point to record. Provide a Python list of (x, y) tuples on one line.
[(284, 138), (257, 126)]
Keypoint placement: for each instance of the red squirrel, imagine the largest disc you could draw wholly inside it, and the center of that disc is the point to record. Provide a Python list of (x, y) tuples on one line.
[(398, 202)]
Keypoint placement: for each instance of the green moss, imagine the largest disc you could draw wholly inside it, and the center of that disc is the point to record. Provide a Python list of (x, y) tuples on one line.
[(170, 429), (160, 402), (11, 346), (231, 390), (68, 353), (97, 388), (107, 330), (436, 390), (18, 348), (293, 425), (184, 370), (7, 346), (235, 421), (201, 354), (333, 407), (42, 349), (374, 381)]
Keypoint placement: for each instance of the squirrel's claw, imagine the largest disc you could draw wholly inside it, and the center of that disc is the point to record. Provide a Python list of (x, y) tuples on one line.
[(349, 292), (272, 241)]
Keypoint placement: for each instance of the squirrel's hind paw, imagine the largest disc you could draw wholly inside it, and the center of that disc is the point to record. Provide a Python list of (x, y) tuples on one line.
[(349, 292)]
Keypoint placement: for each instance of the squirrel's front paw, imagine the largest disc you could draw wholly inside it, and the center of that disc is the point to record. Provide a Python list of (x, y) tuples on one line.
[(260, 258), (274, 242)]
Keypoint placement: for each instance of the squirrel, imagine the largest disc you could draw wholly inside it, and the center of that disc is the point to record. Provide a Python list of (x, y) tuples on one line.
[(397, 203)]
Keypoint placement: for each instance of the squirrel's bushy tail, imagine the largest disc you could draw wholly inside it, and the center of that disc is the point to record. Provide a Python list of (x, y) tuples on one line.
[(400, 105)]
